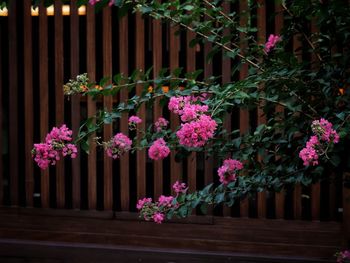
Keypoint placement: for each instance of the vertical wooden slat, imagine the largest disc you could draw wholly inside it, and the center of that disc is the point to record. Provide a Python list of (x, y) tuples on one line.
[(107, 104), (297, 205), (91, 105), (75, 106), (243, 113), (1, 126), (315, 188), (209, 162), (261, 34), (226, 77), (59, 98), (157, 111), (28, 102), (44, 98), (192, 159), (175, 167), (279, 197), (124, 160), (140, 64), (13, 102), (332, 197)]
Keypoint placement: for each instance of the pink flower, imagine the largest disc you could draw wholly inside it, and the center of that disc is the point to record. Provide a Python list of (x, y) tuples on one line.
[(142, 202), (192, 111), (70, 149), (134, 120), (197, 133), (344, 255), (118, 145), (324, 129), (309, 156), (93, 2), (227, 172), (158, 217), (165, 201), (111, 2), (159, 150), (176, 104), (179, 187), (161, 124), (271, 43)]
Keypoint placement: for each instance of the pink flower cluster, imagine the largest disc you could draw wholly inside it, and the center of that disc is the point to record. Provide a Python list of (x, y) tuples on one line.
[(197, 133), (56, 144), (165, 201), (271, 42), (161, 124), (324, 133), (118, 145), (179, 187), (159, 150), (342, 256), (134, 120), (155, 211), (197, 127), (227, 172), (142, 202), (324, 129)]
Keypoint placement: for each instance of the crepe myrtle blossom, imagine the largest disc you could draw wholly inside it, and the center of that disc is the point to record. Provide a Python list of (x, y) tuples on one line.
[(179, 187), (165, 201), (271, 42), (324, 133), (324, 129), (118, 145), (196, 133), (158, 217), (133, 121), (57, 144), (142, 202), (227, 172), (159, 150), (161, 124)]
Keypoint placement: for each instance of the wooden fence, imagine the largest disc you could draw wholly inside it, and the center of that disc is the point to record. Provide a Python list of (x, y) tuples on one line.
[(40, 53)]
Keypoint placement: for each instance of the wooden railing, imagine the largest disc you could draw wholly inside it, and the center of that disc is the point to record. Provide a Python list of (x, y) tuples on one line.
[(38, 54)]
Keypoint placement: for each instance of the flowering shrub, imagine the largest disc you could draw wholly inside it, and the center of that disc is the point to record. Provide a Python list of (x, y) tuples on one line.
[(298, 144)]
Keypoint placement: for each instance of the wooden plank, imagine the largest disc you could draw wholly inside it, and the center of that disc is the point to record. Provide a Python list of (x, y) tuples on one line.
[(124, 160), (59, 98), (107, 104), (157, 110), (209, 162), (261, 34), (1, 124), (140, 64), (28, 102), (44, 99), (91, 105), (243, 113), (75, 103), (226, 77), (279, 197), (175, 167), (13, 102), (192, 158)]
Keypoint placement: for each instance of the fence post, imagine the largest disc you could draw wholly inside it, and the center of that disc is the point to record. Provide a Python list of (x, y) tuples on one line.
[(346, 208)]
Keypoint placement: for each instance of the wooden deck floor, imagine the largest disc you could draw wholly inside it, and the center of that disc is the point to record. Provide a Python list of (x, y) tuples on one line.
[(34, 235)]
